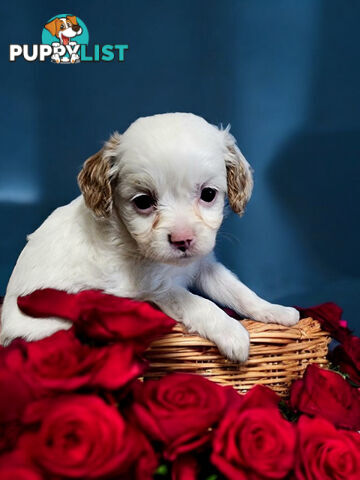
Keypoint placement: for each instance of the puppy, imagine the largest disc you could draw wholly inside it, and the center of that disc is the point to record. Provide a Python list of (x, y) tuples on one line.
[(65, 29), (144, 227)]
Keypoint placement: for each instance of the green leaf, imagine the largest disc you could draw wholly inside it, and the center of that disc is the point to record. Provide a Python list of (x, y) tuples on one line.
[(212, 477), (162, 470), (287, 412), (336, 368)]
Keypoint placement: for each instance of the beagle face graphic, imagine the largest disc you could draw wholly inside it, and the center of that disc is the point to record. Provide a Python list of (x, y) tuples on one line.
[(65, 28)]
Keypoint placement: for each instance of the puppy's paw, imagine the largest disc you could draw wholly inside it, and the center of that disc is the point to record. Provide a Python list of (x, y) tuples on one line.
[(233, 341), (55, 58), (286, 316)]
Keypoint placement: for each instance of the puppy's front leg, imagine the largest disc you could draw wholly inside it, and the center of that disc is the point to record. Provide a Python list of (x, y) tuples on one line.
[(224, 287), (204, 317)]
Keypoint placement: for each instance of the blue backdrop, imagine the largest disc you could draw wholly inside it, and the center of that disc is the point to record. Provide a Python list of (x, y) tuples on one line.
[(284, 73)]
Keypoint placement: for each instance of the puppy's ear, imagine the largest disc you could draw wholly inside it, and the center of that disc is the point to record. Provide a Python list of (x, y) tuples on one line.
[(72, 19), (239, 175), (51, 26), (95, 178)]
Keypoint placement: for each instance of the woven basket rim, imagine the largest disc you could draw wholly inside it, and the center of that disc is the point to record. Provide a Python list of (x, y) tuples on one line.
[(278, 355)]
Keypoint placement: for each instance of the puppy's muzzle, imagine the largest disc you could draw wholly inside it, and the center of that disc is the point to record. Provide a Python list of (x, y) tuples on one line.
[(181, 242), (76, 28)]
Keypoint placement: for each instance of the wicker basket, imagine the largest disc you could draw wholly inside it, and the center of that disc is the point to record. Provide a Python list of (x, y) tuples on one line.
[(278, 355)]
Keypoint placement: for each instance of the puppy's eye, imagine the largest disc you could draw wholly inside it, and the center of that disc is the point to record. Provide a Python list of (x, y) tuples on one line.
[(62, 27), (144, 202), (208, 194)]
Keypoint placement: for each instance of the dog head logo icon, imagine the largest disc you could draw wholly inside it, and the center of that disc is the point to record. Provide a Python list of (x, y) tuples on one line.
[(70, 33), (64, 28)]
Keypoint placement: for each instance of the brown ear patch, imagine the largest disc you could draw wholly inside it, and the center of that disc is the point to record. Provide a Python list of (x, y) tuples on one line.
[(239, 181), (95, 179), (72, 19), (95, 185), (53, 26)]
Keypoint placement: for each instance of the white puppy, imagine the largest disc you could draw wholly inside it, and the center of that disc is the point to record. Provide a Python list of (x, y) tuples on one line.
[(145, 227)]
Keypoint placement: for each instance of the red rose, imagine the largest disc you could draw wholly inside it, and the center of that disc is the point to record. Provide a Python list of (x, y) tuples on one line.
[(351, 347), (254, 441), (80, 436), (179, 410), (15, 466), (325, 393), (326, 453), (100, 316), (258, 396), (62, 363), (15, 395), (347, 356), (329, 315)]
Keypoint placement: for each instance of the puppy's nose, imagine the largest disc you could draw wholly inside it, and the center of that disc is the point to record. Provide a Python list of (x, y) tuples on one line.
[(182, 239), (76, 28)]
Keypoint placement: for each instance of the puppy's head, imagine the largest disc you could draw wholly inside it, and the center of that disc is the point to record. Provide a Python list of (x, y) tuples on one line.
[(64, 28), (166, 178)]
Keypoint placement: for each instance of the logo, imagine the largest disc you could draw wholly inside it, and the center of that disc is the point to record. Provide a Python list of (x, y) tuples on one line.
[(65, 40), (66, 34)]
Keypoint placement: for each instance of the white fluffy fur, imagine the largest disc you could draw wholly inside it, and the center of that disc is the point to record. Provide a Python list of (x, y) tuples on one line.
[(128, 253)]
